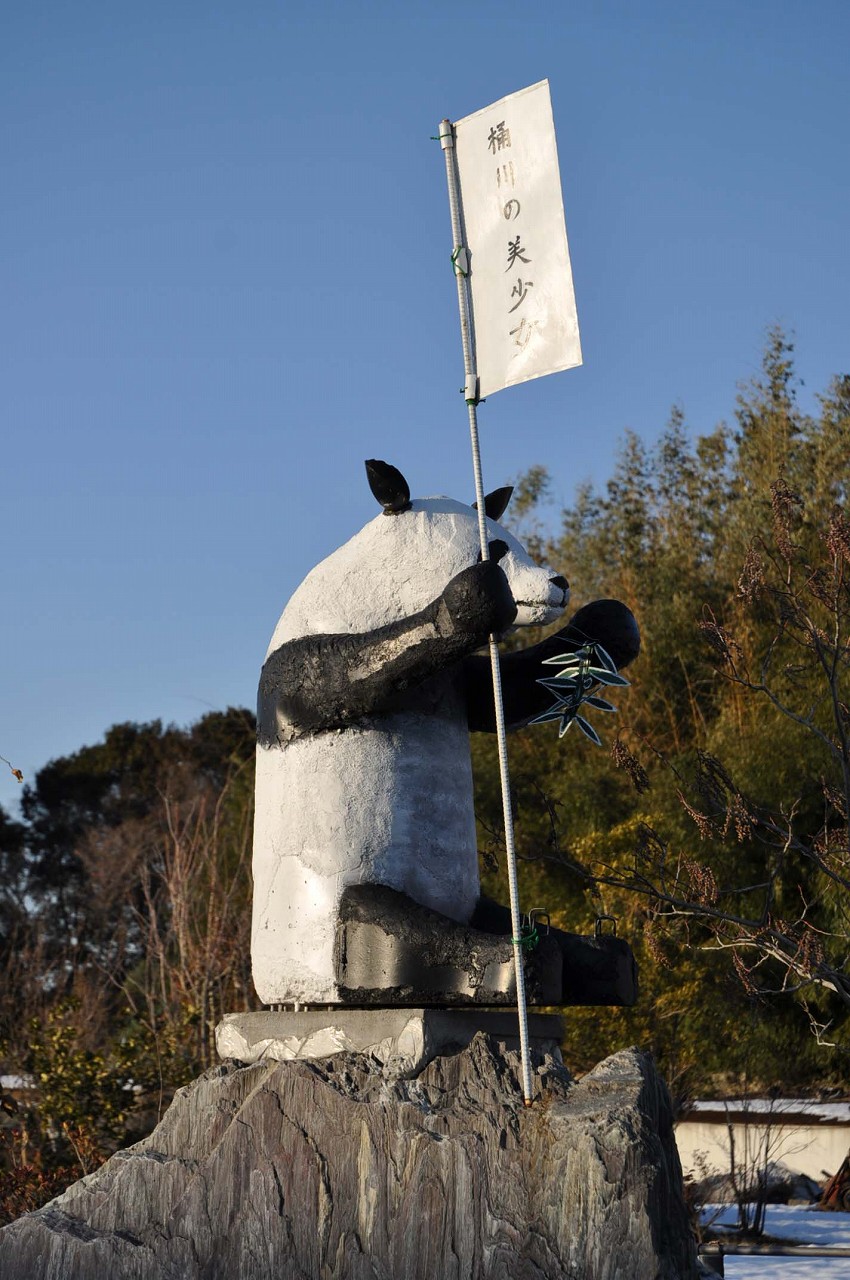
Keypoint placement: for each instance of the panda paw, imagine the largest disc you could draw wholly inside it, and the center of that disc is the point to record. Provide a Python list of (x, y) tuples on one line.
[(611, 624), (479, 600)]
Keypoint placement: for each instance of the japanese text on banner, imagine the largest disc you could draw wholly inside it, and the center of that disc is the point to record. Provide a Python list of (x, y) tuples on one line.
[(523, 303)]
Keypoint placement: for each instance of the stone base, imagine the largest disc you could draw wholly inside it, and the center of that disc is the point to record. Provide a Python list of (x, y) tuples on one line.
[(335, 1168), (405, 1040)]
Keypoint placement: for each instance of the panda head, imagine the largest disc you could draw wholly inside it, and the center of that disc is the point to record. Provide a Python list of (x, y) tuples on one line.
[(401, 561)]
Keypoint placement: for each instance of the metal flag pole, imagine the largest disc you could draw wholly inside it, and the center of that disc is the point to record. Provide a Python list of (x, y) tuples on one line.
[(460, 262)]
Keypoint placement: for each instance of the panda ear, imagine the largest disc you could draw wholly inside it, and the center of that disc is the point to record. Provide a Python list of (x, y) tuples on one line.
[(388, 485), (496, 502)]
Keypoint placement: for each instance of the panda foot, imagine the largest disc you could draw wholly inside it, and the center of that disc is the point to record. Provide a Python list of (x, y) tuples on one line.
[(390, 950), (599, 969)]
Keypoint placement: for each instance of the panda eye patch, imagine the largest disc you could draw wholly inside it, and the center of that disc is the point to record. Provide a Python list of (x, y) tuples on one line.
[(498, 550)]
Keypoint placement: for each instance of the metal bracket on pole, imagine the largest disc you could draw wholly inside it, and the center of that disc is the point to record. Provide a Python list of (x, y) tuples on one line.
[(460, 260), (446, 136)]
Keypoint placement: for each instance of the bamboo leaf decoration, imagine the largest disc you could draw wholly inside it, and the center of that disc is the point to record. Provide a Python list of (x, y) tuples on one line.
[(574, 685)]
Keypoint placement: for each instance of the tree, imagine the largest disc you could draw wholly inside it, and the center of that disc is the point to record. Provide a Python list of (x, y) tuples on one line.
[(717, 833), (787, 927), (117, 975)]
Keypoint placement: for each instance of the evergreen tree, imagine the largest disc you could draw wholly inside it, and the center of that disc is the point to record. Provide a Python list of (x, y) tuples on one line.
[(688, 534)]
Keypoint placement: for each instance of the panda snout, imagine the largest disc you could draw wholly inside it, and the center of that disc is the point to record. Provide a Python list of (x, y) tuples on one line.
[(561, 584)]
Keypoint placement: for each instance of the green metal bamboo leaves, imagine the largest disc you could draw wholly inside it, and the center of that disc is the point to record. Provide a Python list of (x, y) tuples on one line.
[(573, 686)]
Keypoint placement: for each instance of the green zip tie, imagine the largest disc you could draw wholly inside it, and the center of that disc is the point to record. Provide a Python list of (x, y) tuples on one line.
[(530, 937), (459, 270)]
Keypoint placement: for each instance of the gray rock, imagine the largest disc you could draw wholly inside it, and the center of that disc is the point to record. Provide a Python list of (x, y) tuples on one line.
[(335, 1168)]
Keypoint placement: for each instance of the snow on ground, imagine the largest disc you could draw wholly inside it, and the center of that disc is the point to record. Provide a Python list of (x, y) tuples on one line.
[(800, 1225)]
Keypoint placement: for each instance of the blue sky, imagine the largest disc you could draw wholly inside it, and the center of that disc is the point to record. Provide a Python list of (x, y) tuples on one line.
[(224, 243)]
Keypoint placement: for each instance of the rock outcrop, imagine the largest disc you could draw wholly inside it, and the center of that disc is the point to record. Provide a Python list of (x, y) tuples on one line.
[(335, 1168)]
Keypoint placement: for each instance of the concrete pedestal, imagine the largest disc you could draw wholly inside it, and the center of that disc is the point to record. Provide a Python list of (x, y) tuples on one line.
[(404, 1039)]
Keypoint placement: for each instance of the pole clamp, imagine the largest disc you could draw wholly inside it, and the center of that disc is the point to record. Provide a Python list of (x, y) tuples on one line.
[(446, 135), (460, 260), (529, 931)]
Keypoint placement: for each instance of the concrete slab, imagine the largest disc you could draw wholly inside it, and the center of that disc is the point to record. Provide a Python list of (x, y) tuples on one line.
[(404, 1040)]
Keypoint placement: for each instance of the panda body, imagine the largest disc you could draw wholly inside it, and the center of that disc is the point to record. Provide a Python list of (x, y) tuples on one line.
[(382, 795)]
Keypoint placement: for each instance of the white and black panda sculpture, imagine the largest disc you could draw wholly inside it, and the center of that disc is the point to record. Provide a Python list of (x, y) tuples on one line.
[(366, 885)]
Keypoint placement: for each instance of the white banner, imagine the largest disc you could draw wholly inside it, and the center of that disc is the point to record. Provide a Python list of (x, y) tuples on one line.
[(523, 304)]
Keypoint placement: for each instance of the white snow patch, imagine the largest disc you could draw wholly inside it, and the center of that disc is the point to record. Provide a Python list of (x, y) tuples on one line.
[(799, 1225)]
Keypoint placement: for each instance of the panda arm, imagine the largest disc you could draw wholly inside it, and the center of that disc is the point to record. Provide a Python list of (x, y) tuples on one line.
[(325, 682), (608, 622)]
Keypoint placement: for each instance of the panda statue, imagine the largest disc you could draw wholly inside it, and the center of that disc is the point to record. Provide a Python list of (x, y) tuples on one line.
[(366, 888)]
